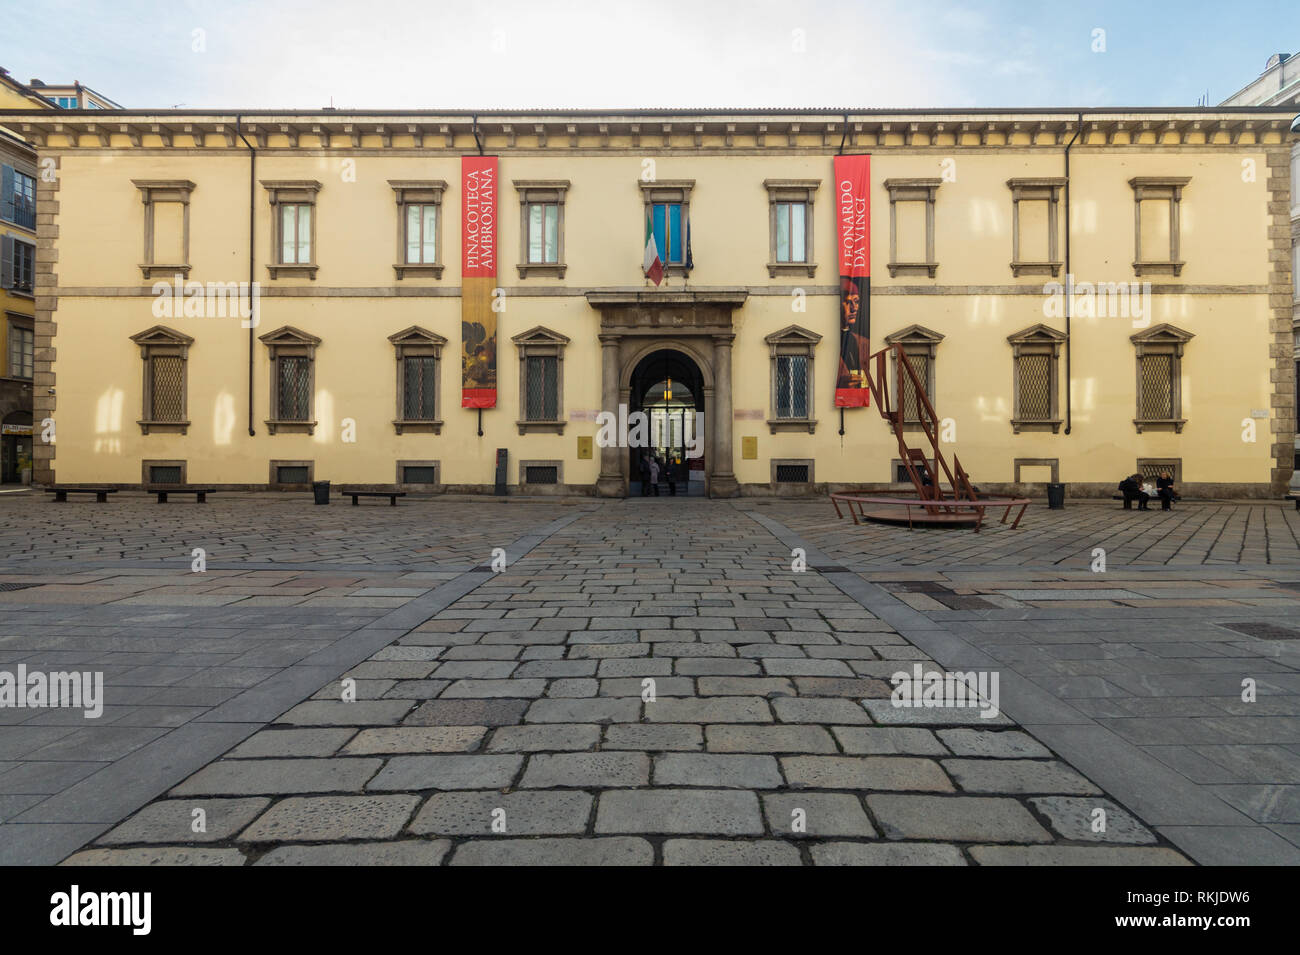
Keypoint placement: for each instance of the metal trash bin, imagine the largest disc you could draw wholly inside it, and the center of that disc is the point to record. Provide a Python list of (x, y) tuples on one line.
[(1056, 497), (321, 489)]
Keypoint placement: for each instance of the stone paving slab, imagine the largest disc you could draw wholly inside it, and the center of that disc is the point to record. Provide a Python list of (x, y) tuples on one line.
[(701, 704)]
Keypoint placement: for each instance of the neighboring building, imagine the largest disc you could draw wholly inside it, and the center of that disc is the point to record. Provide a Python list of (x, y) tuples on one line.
[(73, 96), (17, 284), (351, 373), (1279, 86)]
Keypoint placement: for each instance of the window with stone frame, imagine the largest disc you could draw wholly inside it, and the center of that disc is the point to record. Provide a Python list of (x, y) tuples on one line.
[(164, 391), (911, 226), (1036, 353), (17, 265), (790, 226), (541, 380), (293, 227), (541, 226), (920, 347), (22, 340), (419, 379), (791, 405), (166, 226), (292, 355), (419, 227), (1159, 353), (1157, 205), (17, 196), (668, 211), (1035, 226)]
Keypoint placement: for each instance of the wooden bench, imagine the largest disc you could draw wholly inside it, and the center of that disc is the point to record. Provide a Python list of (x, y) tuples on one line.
[(926, 511), (200, 493), (61, 492), (355, 493), (1296, 498)]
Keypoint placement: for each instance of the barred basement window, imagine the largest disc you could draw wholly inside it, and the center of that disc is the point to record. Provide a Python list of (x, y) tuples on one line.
[(1152, 468), (787, 473), (293, 379), (1035, 357), (293, 474), (165, 354), (541, 474), (541, 380), (164, 474), (1159, 378), (419, 475)]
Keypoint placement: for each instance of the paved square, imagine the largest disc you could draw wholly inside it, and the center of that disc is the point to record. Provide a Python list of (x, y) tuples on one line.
[(647, 682)]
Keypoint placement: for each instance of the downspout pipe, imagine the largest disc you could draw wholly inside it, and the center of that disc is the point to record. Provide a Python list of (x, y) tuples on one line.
[(252, 319), (1068, 276)]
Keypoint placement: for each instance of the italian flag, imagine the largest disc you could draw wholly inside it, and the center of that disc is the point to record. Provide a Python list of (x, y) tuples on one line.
[(653, 266)]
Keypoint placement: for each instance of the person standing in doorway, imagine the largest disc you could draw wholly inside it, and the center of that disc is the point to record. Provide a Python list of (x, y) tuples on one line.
[(654, 475), (643, 465)]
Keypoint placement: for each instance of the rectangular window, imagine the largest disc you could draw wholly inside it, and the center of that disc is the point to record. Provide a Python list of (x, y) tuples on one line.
[(911, 402), (295, 234), (293, 382), (292, 474), (1157, 372), (24, 267), (666, 219), (166, 388), (791, 218), (421, 234), (419, 474), (543, 394), (1035, 387), (17, 197), (792, 386), (20, 351), (419, 396), (543, 232)]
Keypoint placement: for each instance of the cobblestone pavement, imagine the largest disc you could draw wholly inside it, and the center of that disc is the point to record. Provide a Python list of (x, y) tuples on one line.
[(507, 717)]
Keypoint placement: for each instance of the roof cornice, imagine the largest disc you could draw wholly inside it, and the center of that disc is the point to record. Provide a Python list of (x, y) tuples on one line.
[(556, 130)]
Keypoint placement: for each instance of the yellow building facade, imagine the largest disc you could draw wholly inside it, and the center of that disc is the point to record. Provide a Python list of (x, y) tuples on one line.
[(1083, 295)]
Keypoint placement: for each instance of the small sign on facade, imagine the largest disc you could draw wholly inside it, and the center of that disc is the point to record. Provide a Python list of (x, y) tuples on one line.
[(749, 448), (584, 447)]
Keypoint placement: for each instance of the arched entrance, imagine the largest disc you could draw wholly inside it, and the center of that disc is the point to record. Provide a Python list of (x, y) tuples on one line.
[(643, 336), (668, 388)]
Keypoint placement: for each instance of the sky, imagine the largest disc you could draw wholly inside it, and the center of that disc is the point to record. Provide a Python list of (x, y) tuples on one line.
[(475, 54)]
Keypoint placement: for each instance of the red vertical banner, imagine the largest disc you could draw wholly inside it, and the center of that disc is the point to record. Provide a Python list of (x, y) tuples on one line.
[(853, 231), (478, 270)]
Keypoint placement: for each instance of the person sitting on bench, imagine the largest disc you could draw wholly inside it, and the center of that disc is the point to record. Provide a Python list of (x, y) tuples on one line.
[(1165, 489), (1131, 488)]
